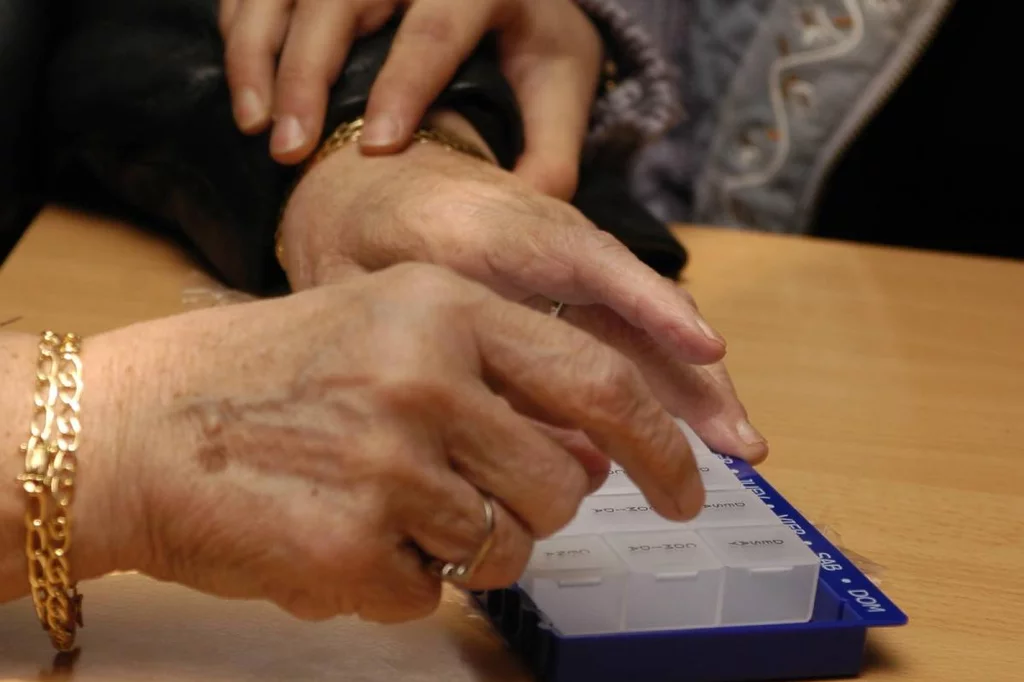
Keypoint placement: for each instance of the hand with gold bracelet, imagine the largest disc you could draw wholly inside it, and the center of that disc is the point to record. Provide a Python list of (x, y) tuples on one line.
[(303, 449)]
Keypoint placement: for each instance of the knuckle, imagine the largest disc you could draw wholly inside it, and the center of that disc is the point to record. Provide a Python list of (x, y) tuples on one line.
[(429, 283), (241, 52), (613, 388), (687, 298), (436, 27), (373, 15), (506, 563), (399, 472), (600, 240), (566, 502), (303, 69), (416, 389), (548, 254), (560, 484)]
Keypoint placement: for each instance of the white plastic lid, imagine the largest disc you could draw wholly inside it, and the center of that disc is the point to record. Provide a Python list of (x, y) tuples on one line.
[(759, 547), (572, 553), (676, 551), (733, 508), (601, 513), (716, 475)]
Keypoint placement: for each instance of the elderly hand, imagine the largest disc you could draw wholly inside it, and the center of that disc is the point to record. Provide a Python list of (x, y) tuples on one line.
[(433, 205), (550, 54), (309, 450)]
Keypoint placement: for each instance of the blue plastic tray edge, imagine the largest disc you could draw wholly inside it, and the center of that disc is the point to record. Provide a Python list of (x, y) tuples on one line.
[(866, 600), (829, 648)]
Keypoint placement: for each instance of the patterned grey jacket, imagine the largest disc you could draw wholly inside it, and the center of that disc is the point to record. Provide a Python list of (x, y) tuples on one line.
[(772, 91)]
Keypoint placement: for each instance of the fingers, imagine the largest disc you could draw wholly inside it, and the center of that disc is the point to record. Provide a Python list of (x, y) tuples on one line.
[(555, 93), (433, 40), (555, 117), (257, 31), (319, 38), (594, 462), (752, 446), (583, 384), (703, 396), (226, 16), (502, 454), (453, 528), (553, 66), (580, 264)]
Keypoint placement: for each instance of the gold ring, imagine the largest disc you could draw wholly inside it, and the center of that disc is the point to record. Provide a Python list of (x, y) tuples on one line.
[(461, 573)]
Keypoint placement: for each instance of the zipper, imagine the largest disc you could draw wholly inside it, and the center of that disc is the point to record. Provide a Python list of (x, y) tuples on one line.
[(877, 96)]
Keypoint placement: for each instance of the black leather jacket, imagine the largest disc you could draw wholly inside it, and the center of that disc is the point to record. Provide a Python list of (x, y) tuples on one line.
[(121, 106)]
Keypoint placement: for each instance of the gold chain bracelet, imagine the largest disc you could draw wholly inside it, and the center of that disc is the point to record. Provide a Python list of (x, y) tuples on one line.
[(350, 132), (49, 481), (353, 130)]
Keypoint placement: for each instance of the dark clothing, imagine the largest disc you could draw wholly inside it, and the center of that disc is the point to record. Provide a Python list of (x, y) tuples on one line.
[(122, 107), (920, 173)]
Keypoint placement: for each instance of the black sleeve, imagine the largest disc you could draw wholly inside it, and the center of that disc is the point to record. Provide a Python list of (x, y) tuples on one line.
[(24, 42), (140, 123)]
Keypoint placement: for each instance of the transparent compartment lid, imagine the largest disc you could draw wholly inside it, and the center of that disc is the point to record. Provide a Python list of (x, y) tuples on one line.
[(716, 474), (600, 513), (725, 508), (675, 551), (573, 553), (759, 547)]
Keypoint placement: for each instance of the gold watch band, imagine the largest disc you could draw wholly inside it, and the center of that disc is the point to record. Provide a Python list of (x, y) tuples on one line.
[(351, 131)]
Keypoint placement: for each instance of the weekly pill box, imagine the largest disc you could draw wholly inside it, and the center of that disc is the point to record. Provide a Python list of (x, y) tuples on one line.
[(747, 590)]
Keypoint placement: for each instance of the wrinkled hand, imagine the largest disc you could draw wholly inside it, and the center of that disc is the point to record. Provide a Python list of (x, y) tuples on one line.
[(431, 205), (550, 54), (307, 449)]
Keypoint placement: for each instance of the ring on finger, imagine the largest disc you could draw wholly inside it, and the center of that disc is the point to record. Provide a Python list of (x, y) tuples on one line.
[(461, 573)]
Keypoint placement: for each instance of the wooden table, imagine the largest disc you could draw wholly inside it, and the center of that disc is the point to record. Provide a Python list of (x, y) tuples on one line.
[(890, 383)]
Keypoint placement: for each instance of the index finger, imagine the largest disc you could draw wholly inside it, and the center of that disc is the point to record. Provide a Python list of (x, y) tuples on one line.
[(434, 38), (578, 263), (583, 384)]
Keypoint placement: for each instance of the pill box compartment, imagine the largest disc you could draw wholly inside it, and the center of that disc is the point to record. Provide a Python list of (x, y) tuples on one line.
[(831, 644), (675, 580), (578, 582), (769, 576)]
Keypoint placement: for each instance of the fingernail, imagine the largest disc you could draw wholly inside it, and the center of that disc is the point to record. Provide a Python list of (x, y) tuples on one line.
[(381, 131), (709, 331), (748, 434), (288, 136), (249, 109)]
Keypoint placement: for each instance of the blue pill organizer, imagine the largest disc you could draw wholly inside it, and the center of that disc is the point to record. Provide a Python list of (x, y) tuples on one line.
[(748, 590)]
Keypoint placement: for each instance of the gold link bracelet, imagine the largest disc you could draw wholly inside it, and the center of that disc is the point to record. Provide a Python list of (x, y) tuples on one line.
[(350, 132), (49, 481)]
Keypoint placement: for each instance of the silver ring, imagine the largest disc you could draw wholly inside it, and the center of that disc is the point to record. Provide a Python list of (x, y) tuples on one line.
[(556, 308), (452, 572)]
